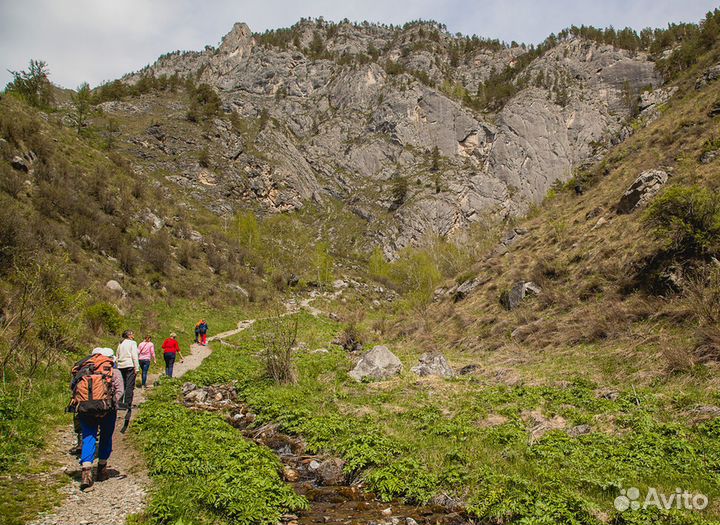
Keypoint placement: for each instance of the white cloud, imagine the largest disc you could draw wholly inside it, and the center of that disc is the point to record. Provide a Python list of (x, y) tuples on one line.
[(96, 40)]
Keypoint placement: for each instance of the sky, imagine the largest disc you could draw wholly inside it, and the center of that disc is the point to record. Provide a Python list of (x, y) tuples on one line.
[(98, 40)]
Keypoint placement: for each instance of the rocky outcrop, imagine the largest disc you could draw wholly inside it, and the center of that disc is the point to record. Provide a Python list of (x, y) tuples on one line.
[(710, 75), (378, 363), (642, 190), (433, 365), (514, 297), (342, 129)]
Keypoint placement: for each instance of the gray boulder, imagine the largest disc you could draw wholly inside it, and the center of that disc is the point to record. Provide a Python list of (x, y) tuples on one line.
[(642, 190), (517, 293), (433, 365), (378, 363), (115, 287)]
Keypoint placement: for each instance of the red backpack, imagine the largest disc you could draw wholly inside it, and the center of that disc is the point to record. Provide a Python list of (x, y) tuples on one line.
[(92, 387)]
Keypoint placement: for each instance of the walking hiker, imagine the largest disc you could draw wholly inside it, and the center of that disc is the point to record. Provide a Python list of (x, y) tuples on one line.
[(202, 328), (146, 352), (97, 387), (197, 332), (171, 347), (129, 366)]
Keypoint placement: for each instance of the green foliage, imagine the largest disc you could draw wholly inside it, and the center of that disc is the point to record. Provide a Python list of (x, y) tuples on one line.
[(687, 219), (204, 469), (81, 107), (694, 41), (324, 263), (104, 318), (32, 85), (246, 230), (399, 189), (205, 103)]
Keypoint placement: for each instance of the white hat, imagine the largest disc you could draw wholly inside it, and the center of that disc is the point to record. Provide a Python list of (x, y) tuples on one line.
[(107, 352)]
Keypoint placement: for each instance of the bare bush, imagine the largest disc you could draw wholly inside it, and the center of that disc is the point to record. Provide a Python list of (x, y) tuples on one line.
[(278, 340)]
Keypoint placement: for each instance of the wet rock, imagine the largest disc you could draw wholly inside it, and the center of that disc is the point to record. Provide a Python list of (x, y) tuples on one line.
[(290, 474), (512, 299), (330, 472), (433, 365), (642, 190), (378, 363)]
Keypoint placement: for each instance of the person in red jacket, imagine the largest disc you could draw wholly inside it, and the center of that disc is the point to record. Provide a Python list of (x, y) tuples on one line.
[(170, 348)]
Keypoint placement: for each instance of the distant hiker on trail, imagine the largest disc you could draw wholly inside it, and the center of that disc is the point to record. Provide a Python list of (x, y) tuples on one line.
[(129, 366), (171, 347), (146, 352), (201, 330), (97, 387)]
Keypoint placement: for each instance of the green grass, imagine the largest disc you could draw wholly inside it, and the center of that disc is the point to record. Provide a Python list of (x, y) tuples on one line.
[(416, 439)]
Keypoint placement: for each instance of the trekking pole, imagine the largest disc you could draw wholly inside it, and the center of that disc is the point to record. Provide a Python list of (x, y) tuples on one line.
[(127, 420)]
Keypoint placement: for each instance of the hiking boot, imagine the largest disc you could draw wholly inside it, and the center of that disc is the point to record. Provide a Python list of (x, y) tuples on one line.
[(102, 472), (87, 479)]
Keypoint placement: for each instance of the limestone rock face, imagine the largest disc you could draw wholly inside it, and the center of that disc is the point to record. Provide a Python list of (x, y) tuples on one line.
[(642, 190), (336, 128), (378, 363)]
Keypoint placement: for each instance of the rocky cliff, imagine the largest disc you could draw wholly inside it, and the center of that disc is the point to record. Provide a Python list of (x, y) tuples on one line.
[(344, 111)]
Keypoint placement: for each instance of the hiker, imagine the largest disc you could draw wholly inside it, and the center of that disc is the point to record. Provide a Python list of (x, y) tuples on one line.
[(97, 387), (202, 329), (127, 363), (146, 352), (171, 347), (197, 332)]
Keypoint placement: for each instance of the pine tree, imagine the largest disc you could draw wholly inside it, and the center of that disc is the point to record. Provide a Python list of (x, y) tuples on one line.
[(82, 107), (33, 85)]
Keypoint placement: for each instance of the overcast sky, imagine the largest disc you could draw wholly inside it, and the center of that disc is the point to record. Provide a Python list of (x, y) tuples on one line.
[(97, 40)]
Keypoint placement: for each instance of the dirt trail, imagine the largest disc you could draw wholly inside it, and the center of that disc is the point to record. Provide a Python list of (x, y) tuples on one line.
[(112, 501)]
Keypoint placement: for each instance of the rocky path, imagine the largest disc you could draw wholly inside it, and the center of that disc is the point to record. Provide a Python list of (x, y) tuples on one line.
[(112, 501)]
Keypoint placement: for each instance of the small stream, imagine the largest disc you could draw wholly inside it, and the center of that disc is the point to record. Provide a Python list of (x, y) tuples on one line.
[(333, 498)]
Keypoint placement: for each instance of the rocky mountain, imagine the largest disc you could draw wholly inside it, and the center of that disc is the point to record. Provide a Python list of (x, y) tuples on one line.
[(395, 123)]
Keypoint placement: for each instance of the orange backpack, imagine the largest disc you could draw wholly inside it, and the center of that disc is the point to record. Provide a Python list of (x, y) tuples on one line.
[(92, 386)]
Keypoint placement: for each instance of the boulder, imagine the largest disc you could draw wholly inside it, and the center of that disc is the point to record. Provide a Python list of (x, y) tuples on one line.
[(378, 363), (512, 298), (708, 156), (20, 164), (465, 289), (642, 190), (115, 287), (433, 365), (330, 472), (196, 396)]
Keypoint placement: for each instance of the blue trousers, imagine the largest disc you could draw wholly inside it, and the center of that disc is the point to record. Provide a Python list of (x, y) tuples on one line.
[(90, 425), (144, 367), (169, 363)]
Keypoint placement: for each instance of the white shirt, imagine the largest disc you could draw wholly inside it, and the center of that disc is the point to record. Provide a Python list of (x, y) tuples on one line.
[(127, 355)]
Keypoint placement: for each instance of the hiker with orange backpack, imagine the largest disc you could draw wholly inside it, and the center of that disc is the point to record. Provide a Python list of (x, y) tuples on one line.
[(201, 330), (97, 387)]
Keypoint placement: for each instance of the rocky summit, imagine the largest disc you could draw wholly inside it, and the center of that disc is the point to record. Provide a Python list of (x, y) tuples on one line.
[(398, 122)]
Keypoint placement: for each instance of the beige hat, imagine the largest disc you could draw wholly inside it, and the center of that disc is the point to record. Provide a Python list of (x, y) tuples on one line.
[(107, 352), (173, 334)]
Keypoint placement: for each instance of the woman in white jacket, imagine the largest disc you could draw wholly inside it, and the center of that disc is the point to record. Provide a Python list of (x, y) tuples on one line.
[(128, 364)]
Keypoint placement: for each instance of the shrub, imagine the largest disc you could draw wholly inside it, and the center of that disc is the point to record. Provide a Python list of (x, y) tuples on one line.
[(687, 219), (157, 252), (278, 338), (103, 318)]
